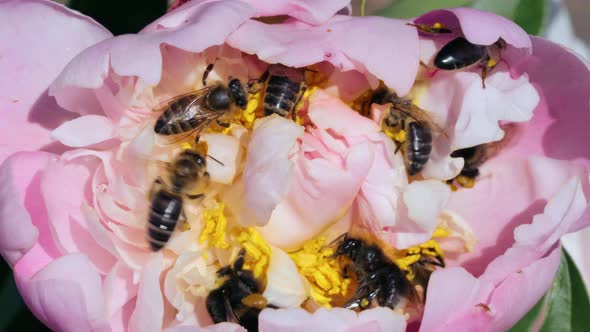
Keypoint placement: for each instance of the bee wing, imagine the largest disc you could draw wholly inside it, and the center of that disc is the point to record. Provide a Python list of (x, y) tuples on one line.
[(231, 316), (190, 97), (419, 115)]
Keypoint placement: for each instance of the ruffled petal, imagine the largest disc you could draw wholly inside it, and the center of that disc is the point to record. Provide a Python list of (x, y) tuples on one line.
[(21, 204), (84, 131), (149, 306), (343, 41)]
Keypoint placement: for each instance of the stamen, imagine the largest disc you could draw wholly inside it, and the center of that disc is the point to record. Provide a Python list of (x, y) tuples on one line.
[(215, 227), (316, 264)]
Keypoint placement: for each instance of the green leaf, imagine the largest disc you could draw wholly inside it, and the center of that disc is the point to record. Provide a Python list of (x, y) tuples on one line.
[(565, 307), (559, 300), (580, 298), (531, 15), (413, 8)]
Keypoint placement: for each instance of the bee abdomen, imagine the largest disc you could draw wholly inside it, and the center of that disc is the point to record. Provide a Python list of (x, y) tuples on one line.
[(458, 53), (164, 214), (419, 146), (280, 95), (170, 124)]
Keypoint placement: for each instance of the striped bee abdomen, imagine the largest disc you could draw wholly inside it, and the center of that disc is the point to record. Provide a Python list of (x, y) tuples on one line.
[(280, 95), (419, 146), (164, 215)]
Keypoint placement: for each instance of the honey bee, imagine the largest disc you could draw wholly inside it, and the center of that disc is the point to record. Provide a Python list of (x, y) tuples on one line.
[(415, 122), (238, 299), (460, 53), (186, 174), (194, 111), (380, 280), (283, 90)]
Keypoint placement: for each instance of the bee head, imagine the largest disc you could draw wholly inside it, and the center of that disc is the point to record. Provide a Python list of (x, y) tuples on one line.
[(348, 247), (238, 93), (188, 168)]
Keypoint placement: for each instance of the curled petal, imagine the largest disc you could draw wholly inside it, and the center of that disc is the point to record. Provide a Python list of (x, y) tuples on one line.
[(268, 170), (140, 55), (44, 28), (326, 113), (479, 27), (84, 131), (20, 203), (343, 41), (226, 151), (149, 309), (66, 295)]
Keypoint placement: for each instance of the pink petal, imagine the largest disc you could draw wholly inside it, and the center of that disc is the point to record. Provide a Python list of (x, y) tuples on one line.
[(493, 226), (140, 55), (325, 112), (58, 34), (336, 320), (308, 11), (66, 294), (21, 205), (342, 41), (149, 305), (66, 187), (479, 27), (559, 128), (268, 171), (84, 131), (118, 288)]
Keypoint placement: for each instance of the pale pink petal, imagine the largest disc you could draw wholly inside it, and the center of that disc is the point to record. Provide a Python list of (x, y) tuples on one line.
[(118, 288), (66, 294), (226, 150), (84, 131), (492, 226), (221, 327), (309, 11), (336, 320), (23, 218), (140, 55), (326, 112), (319, 195), (285, 287), (268, 171), (49, 35), (149, 306), (66, 186), (559, 128), (343, 41), (479, 27), (577, 245)]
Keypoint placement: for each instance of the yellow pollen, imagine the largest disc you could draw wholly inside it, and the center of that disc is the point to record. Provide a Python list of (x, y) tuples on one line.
[(316, 264), (396, 135), (186, 146), (184, 226), (439, 25), (465, 181), (257, 251), (491, 63), (249, 114), (408, 257), (215, 226)]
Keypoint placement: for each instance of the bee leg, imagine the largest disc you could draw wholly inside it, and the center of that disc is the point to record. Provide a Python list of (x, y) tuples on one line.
[(183, 224), (206, 73), (222, 123), (298, 100), (197, 196), (484, 73)]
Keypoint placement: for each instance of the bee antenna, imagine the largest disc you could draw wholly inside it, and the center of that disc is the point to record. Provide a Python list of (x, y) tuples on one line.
[(340, 237), (217, 161)]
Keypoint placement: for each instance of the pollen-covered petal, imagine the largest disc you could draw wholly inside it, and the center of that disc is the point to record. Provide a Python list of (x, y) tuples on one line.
[(268, 170), (285, 287), (342, 41), (336, 320), (84, 131)]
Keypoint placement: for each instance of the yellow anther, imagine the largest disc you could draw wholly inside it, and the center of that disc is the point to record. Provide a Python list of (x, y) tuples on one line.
[(215, 227), (316, 264), (441, 232), (257, 251)]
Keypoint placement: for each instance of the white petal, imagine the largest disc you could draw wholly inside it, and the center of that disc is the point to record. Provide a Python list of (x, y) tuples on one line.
[(268, 169), (285, 287), (226, 150)]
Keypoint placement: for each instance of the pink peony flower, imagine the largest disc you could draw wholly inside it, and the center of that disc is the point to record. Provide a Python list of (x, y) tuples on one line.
[(80, 156)]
